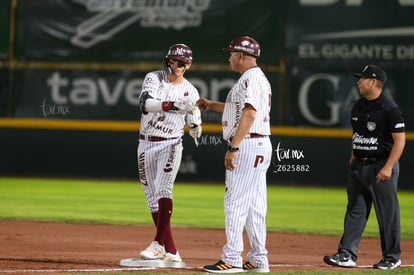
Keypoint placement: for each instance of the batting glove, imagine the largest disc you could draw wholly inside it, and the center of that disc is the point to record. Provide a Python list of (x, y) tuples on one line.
[(187, 106), (195, 132)]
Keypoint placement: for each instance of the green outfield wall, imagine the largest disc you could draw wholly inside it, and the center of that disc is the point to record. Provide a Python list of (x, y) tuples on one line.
[(305, 157)]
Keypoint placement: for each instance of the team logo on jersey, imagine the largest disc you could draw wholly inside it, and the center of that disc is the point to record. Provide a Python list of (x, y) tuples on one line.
[(107, 18), (167, 168), (186, 93), (170, 161), (149, 80), (399, 125), (141, 169), (371, 126)]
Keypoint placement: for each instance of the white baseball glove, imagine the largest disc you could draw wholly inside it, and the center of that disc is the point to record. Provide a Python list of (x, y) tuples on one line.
[(187, 106)]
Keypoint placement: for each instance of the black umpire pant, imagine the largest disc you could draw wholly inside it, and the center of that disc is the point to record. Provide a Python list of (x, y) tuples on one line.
[(363, 191)]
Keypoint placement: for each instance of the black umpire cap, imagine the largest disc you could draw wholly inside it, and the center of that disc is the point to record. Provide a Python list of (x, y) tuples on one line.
[(372, 71)]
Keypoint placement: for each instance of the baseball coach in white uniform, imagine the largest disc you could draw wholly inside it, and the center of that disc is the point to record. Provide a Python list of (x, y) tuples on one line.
[(246, 128)]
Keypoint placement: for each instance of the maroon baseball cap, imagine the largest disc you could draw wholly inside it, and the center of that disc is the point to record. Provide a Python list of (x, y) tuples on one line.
[(372, 71), (244, 44)]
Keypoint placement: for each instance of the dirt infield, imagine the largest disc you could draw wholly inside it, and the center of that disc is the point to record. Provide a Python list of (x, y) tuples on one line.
[(53, 248)]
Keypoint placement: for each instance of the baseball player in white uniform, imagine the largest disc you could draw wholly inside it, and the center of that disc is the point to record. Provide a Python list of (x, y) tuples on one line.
[(168, 102), (246, 128)]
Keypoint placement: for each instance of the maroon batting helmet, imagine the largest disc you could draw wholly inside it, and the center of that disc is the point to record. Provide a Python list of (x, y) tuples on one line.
[(245, 45), (180, 52)]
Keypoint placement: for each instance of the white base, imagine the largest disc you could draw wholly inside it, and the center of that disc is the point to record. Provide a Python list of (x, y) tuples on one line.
[(151, 263)]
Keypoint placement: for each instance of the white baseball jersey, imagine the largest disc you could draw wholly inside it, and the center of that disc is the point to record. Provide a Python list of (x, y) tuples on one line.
[(253, 88), (245, 201), (159, 161), (168, 124)]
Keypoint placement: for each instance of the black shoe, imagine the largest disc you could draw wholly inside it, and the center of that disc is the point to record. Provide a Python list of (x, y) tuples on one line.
[(342, 259), (222, 267), (387, 264)]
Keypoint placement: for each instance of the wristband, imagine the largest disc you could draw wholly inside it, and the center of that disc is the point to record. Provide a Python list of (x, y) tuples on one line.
[(168, 105), (233, 149)]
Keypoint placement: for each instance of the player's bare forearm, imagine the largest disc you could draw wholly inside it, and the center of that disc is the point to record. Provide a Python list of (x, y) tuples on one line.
[(206, 105), (246, 121), (352, 156), (396, 151)]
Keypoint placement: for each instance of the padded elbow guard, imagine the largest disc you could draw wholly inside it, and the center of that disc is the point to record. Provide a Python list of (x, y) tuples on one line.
[(142, 100)]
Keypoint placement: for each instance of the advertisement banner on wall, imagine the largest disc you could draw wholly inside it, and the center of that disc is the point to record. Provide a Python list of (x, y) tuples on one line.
[(107, 95), (324, 98), (348, 34), (101, 30), (328, 41)]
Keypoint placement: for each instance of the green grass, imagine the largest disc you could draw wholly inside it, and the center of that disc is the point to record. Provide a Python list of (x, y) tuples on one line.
[(310, 210)]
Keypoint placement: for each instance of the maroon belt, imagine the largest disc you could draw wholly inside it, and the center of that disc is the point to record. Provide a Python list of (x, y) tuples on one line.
[(251, 136), (152, 138), (255, 136)]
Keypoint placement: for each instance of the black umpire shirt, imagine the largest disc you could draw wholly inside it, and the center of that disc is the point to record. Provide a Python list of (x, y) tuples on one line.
[(372, 122)]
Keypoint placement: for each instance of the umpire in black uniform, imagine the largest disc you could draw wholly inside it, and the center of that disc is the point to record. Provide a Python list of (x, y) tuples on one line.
[(378, 142)]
